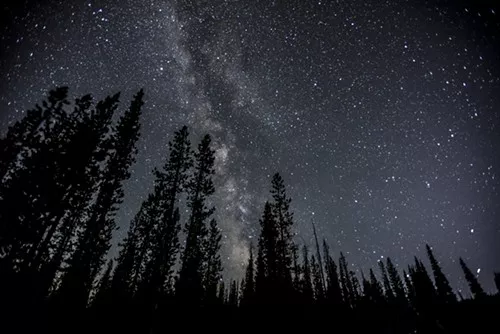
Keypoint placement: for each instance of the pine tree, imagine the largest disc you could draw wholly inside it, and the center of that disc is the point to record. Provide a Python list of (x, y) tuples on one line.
[(189, 285), (29, 159), (396, 282), (376, 291), (345, 282), (233, 296), (474, 285), (410, 291), (356, 287), (122, 282), (443, 289), (141, 237), (284, 221), (56, 175), (424, 292), (94, 240), (296, 270), (318, 256), (319, 292), (248, 293), (307, 286), (212, 263), (78, 179), (266, 281), (333, 292), (389, 294), (221, 295), (160, 224)]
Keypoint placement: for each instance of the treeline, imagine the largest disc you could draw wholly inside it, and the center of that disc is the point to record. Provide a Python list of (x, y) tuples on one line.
[(62, 169)]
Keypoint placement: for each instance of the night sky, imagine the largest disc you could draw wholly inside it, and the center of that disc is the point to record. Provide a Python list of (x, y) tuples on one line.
[(382, 116)]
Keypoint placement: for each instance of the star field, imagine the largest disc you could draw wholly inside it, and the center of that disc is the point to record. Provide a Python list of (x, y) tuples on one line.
[(382, 116)]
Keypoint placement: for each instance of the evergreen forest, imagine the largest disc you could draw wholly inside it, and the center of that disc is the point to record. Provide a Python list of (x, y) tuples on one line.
[(62, 169)]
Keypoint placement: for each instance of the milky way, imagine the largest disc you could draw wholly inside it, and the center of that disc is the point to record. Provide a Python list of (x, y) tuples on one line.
[(381, 116)]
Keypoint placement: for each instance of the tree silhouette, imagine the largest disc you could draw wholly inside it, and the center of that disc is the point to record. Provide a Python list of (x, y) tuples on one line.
[(389, 294), (248, 291), (267, 257), (284, 222), (475, 287), (319, 292), (29, 161), (94, 240), (333, 291), (307, 285), (397, 286), (158, 232), (424, 291), (233, 295), (87, 149), (62, 167), (212, 263), (348, 290), (443, 289), (190, 283)]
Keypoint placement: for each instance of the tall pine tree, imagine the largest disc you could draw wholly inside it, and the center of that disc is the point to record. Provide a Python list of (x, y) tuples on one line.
[(189, 288), (94, 239), (443, 289), (284, 221), (248, 293), (474, 285)]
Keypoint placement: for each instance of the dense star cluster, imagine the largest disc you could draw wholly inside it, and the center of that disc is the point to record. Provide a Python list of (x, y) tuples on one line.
[(382, 116)]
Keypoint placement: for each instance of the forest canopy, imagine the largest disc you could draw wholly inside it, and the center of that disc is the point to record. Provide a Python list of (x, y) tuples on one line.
[(62, 169)]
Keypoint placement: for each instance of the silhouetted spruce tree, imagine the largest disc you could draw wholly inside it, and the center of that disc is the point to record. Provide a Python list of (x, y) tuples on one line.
[(356, 287), (233, 296), (140, 241), (212, 263), (443, 289), (410, 291), (389, 294), (319, 292), (376, 291), (189, 287), (123, 280), (345, 282), (62, 176), (267, 258), (221, 295), (78, 179), (19, 137), (366, 289), (396, 282), (159, 240), (284, 244), (296, 271), (29, 162), (333, 291), (307, 285), (56, 174), (94, 240), (474, 285), (248, 290), (318, 257), (423, 286)]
